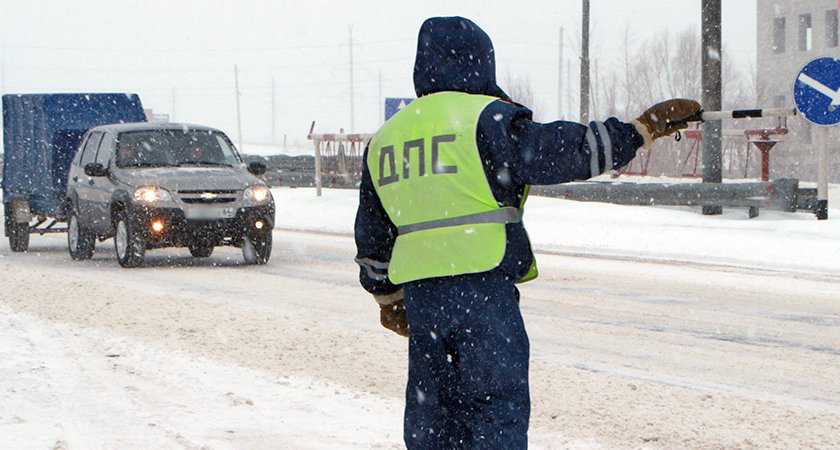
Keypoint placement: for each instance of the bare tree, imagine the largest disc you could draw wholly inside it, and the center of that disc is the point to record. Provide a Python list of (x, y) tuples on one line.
[(667, 66), (520, 90)]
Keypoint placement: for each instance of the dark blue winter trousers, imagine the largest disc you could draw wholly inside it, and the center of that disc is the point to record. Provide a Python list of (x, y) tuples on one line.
[(468, 364)]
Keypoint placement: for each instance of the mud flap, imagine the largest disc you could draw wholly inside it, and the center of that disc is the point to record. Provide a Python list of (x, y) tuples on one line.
[(20, 211)]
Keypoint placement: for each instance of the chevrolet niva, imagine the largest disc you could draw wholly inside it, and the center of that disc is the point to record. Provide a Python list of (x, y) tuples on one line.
[(155, 185)]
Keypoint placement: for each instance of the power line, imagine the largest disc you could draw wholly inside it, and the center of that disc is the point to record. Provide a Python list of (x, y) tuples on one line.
[(529, 44), (253, 89), (197, 49), (220, 68)]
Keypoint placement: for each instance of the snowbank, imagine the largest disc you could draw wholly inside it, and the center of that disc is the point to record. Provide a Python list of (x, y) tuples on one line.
[(774, 240)]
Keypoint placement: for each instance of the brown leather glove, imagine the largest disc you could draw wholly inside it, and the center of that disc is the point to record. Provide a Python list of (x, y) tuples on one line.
[(392, 312), (393, 318), (665, 118)]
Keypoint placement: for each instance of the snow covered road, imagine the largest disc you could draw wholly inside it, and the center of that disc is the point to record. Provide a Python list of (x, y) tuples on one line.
[(186, 353), (210, 354)]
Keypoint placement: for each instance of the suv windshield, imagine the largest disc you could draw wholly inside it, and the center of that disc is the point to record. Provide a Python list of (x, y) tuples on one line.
[(172, 148)]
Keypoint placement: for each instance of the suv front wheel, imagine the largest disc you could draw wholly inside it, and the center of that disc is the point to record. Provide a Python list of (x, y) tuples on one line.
[(80, 242), (257, 249), (129, 243)]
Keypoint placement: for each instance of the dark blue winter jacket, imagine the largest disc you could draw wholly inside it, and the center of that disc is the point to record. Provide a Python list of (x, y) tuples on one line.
[(454, 54)]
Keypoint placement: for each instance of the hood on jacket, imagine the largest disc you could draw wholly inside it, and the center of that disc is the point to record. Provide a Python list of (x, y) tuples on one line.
[(454, 54)]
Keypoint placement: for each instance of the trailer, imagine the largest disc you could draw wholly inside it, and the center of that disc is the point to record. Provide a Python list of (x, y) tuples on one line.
[(41, 133)]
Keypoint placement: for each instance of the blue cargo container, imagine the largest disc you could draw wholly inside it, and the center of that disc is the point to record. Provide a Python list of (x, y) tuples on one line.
[(41, 133)]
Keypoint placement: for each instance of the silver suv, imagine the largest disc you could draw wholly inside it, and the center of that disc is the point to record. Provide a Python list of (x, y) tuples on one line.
[(153, 185)]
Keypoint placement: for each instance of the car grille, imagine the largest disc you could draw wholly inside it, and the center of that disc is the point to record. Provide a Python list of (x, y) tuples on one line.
[(208, 196)]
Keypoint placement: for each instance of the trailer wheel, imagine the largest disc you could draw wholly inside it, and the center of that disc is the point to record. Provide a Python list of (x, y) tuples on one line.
[(80, 242), (19, 236), (129, 243), (257, 249)]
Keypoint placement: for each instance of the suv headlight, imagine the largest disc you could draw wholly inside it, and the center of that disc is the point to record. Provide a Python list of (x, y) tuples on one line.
[(257, 195), (151, 195)]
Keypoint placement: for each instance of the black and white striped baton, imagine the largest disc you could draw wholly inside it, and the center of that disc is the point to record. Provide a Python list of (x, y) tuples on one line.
[(703, 116)]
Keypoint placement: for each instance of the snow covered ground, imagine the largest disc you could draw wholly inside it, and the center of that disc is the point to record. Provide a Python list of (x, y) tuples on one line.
[(650, 328), (773, 240)]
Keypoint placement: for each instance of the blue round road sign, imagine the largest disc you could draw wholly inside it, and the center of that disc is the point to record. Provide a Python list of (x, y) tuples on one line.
[(817, 91)]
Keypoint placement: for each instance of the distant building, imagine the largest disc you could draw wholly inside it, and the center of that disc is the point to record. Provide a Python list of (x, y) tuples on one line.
[(790, 34)]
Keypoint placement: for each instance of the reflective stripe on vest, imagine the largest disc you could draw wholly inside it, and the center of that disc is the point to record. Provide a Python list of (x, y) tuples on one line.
[(428, 174), (502, 215)]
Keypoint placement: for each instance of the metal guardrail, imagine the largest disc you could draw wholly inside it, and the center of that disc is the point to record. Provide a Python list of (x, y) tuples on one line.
[(782, 195)]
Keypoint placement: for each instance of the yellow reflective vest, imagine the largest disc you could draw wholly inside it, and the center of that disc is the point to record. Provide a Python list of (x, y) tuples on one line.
[(426, 168)]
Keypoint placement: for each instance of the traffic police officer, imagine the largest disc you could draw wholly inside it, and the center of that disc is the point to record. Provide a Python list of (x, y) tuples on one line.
[(439, 233)]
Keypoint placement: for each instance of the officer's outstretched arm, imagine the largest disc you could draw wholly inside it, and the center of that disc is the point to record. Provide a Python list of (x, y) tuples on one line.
[(529, 152)]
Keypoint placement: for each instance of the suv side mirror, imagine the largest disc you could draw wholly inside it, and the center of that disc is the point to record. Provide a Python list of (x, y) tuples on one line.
[(96, 170), (256, 168)]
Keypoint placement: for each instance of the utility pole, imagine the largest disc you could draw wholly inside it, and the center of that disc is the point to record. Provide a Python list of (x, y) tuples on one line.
[(560, 78), (594, 85), (2, 76), (584, 66), (174, 103), (352, 92), (569, 86), (273, 113), (711, 59), (381, 101), (238, 112)]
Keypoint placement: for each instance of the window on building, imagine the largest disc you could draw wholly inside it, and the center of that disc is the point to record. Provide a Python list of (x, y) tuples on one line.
[(779, 35), (831, 28), (806, 34)]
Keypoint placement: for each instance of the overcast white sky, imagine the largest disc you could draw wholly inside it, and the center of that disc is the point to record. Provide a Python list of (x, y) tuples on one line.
[(179, 56)]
